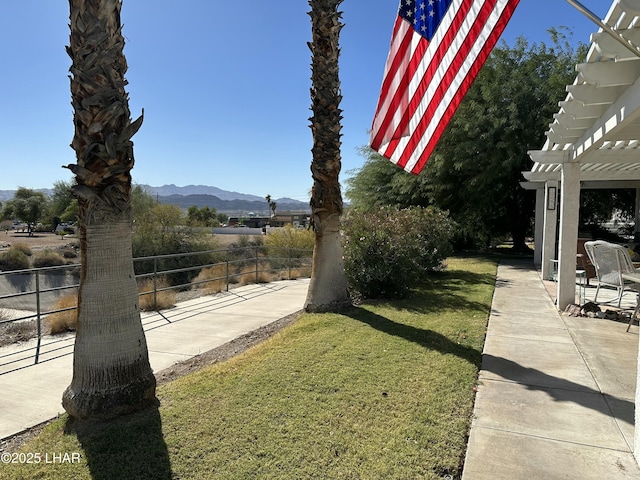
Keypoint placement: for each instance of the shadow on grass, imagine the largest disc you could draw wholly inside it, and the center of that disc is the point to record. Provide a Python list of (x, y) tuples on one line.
[(132, 446), (425, 338), (445, 290)]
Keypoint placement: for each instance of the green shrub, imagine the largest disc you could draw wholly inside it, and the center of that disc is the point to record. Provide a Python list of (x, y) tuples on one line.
[(14, 259), (386, 251), (289, 238), (69, 253), (159, 230), (286, 246), (48, 258), (150, 245), (245, 241)]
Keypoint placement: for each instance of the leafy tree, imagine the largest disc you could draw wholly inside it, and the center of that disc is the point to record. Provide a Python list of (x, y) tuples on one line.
[(111, 371), (289, 242), (379, 182), (202, 217), (597, 206), (222, 218), (475, 171), (328, 286), (64, 206), (27, 206), (160, 230), (142, 202)]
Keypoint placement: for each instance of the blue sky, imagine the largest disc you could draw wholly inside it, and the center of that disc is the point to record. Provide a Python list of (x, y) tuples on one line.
[(224, 86)]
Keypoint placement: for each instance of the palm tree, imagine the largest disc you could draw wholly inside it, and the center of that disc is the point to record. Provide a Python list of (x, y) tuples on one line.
[(111, 371), (328, 287), (272, 206)]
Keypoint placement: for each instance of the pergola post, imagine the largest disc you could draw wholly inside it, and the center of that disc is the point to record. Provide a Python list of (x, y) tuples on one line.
[(569, 210), (636, 433), (550, 226), (538, 234), (636, 229)]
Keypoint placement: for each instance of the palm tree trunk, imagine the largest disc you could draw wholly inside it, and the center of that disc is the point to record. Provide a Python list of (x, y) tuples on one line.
[(111, 370), (328, 286)]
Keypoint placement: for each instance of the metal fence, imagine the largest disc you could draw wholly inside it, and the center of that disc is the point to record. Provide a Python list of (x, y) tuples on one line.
[(32, 294)]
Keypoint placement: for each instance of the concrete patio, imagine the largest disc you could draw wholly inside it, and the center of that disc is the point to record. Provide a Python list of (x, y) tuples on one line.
[(556, 393)]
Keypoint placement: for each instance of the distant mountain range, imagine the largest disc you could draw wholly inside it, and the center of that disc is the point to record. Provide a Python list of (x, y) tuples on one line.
[(170, 190), (222, 200), (205, 196), (8, 194)]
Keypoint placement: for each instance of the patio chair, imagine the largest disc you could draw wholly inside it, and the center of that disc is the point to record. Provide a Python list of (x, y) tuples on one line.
[(611, 261), (583, 262)]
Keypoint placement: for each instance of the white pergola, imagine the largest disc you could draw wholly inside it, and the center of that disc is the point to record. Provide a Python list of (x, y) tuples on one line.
[(593, 142)]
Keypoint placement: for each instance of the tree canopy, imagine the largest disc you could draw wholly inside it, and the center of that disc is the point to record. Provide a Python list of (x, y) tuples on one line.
[(202, 217), (64, 207), (28, 206), (475, 171)]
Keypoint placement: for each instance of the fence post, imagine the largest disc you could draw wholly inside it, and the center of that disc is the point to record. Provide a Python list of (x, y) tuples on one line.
[(38, 318), (155, 283), (227, 275), (256, 251)]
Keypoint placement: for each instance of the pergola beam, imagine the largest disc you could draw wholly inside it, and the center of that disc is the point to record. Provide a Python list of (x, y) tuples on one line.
[(624, 112), (594, 176), (593, 95), (609, 74), (580, 110), (548, 157)]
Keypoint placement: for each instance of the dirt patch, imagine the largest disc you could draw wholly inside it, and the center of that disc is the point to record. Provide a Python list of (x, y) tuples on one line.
[(216, 355), (39, 240)]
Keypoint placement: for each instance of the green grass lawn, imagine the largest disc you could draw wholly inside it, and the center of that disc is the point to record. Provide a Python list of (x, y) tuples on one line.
[(382, 391)]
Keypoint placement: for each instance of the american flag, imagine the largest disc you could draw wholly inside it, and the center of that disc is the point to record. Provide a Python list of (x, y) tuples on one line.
[(437, 50)]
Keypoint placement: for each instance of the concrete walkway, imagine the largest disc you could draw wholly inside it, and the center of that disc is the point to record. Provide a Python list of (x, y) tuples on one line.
[(31, 394), (556, 393)]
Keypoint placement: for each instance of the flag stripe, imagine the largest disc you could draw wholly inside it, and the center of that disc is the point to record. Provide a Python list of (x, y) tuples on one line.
[(396, 82), (431, 73), (425, 81), (427, 143), (449, 92)]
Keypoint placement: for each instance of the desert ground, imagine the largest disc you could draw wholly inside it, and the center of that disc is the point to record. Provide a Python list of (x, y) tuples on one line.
[(39, 241), (45, 240)]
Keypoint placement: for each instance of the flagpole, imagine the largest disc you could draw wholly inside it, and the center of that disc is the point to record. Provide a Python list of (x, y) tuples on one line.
[(616, 35)]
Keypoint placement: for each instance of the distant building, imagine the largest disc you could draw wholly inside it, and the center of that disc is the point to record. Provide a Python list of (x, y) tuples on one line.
[(295, 219), (251, 222)]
